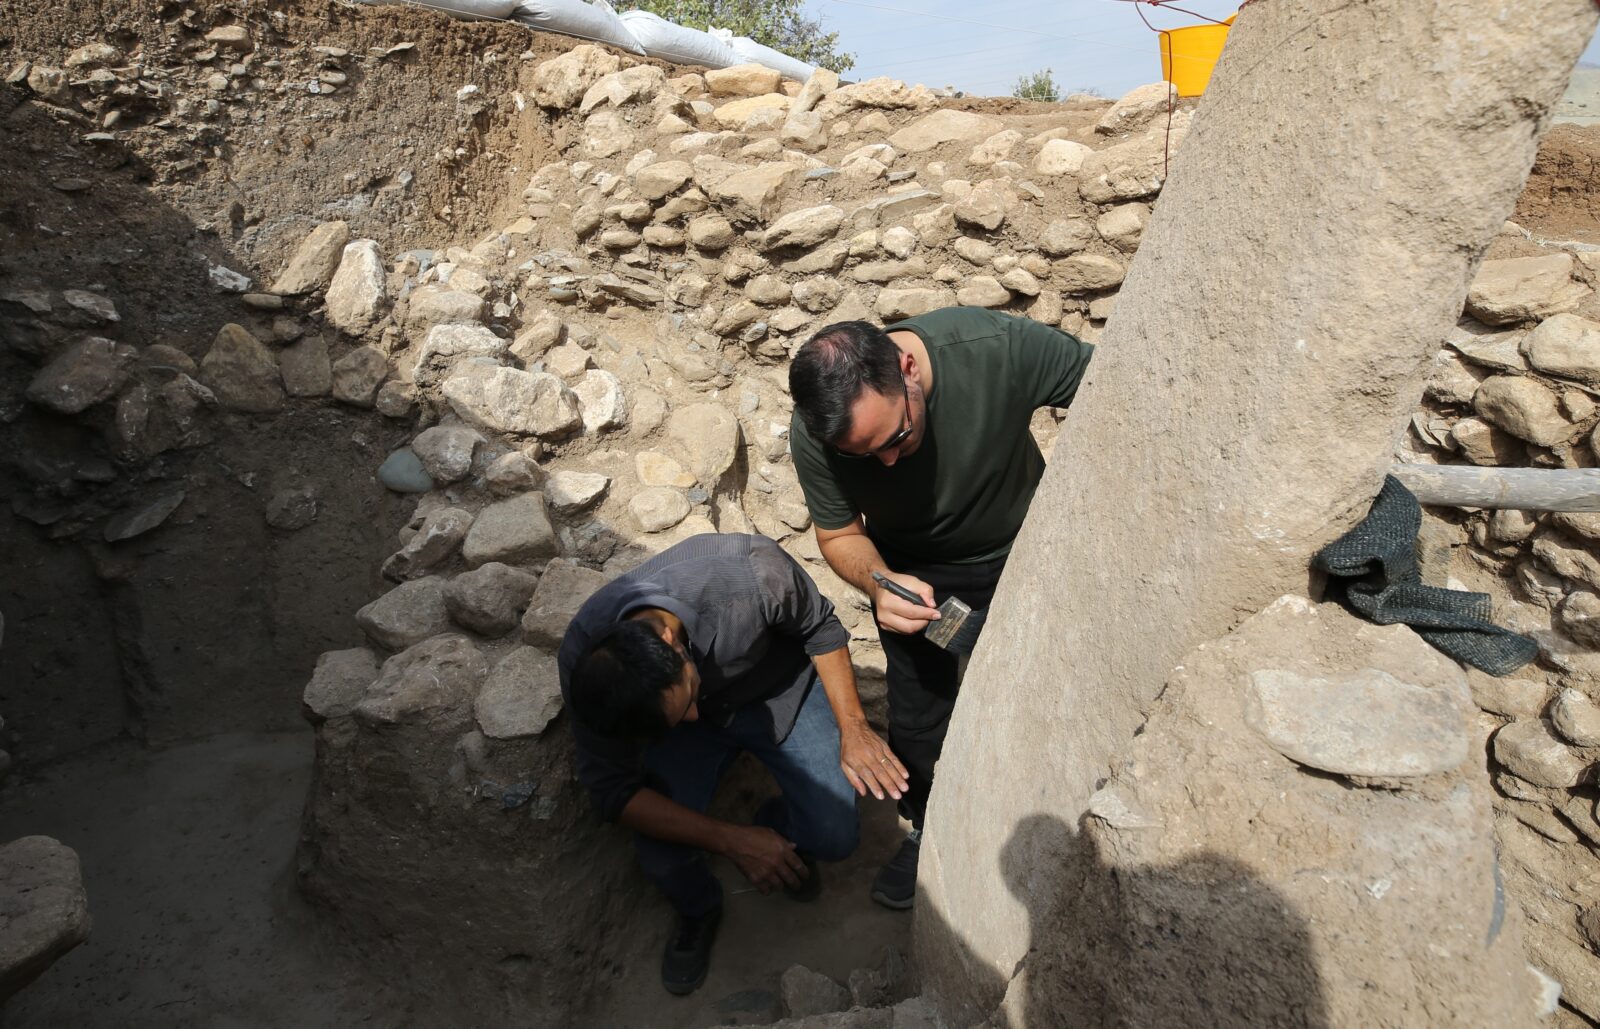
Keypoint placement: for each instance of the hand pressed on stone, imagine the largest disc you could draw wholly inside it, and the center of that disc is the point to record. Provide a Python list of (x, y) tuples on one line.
[(869, 764), (765, 858), (898, 615)]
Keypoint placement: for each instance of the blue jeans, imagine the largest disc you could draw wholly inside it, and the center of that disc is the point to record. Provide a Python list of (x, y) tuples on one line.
[(816, 812)]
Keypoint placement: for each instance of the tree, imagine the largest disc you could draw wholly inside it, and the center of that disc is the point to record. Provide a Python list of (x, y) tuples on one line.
[(1038, 86), (780, 24)]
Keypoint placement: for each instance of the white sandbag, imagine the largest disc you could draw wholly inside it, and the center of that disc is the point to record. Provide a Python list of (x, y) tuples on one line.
[(662, 39), (596, 22), (751, 52), (466, 10)]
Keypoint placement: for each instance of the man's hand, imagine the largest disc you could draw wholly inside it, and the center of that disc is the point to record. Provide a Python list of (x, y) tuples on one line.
[(869, 764), (903, 616), (764, 857)]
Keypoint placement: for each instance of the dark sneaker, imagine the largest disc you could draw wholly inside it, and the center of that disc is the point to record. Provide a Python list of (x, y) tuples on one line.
[(895, 885), (810, 887), (688, 953)]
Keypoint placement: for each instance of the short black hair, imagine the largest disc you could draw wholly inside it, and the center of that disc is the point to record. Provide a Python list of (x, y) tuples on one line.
[(618, 686), (829, 372)]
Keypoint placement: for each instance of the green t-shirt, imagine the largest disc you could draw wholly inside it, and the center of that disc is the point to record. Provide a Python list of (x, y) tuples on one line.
[(961, 497)]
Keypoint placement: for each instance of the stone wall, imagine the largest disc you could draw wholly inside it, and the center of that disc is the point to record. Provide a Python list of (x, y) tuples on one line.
[(1515, 387)]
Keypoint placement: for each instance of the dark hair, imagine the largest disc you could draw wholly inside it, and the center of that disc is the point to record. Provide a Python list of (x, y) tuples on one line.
[(829, 372), (618, 686)]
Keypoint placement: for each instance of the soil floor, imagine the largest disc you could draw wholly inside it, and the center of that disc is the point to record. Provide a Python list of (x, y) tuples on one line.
[(187, 857)]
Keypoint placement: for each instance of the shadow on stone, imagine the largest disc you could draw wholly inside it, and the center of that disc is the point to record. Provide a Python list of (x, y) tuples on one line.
[(1202, 941), (1199, 942)]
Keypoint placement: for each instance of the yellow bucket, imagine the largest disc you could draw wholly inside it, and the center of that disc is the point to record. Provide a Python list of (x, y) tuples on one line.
[(1188, 55)]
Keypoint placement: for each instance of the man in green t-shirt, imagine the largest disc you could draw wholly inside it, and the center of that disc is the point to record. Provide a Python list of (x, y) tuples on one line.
[(912, 445)]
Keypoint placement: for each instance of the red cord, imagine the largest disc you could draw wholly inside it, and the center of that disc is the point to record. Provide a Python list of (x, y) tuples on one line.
[(1167, 5), (1166, 142)]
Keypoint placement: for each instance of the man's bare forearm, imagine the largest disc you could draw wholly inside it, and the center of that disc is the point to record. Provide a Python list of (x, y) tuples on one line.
[(839, 683), (853, 557), (662, 818)]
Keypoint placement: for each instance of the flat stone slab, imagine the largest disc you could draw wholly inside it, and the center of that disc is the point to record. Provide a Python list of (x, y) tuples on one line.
[(140, 520), (1367, 723), (945, 126)]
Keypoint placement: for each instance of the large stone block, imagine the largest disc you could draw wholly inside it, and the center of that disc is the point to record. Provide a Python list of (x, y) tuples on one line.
[(313, 264), (1522, 289), (242, 372), (489, 599), (499, 399), (429, 306), (743, 80), (1138, 108), (803, 228), (1277, 416), (407, 614), (563, 588), (341, 679), (1524, 407), (561, 81), (1567, 347), (433, 681), (521, 696), (1132, 170), (358, 295), (754, 194), (446, 345), (515, 531), (84, 374), (708, 437), (434, 543), (945, 126), (630, 85)]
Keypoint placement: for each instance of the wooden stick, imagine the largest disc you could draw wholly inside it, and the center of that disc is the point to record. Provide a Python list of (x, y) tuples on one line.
[(1524, 489)]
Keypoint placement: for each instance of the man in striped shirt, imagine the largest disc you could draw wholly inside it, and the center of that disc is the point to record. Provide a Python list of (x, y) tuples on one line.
[(712, 647)]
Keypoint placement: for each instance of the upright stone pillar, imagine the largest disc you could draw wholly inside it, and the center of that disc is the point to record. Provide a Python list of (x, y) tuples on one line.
[(1339, 185)]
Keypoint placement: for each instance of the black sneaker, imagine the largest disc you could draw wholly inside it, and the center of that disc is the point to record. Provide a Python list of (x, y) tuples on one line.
[(895, 885), (688, 954), (810, 887)]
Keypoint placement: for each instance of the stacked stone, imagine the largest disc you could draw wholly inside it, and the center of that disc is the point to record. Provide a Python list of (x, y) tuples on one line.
[(770, 215), (749, 213), (1516, 386)]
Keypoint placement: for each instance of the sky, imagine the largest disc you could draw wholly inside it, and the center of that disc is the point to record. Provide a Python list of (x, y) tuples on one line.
[(983, 48)]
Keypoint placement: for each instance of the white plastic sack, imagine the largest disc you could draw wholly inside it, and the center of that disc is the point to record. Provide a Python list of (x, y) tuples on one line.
[(751, 52), (467, 10), (596, 22), (662, 39)]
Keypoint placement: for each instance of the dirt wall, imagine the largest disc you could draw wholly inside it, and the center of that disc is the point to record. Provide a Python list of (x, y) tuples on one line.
[(214, 625)]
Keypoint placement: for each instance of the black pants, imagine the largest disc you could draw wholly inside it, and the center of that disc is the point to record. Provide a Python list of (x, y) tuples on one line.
[(924, 678)]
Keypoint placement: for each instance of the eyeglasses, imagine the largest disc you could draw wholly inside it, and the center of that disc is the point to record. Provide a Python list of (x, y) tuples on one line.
[(893, 441)]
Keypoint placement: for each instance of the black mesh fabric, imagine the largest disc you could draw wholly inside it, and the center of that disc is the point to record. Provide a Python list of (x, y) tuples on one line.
[(1374, 567)]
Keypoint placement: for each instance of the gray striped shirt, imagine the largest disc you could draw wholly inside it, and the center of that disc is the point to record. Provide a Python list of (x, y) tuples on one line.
[(754, 619)]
